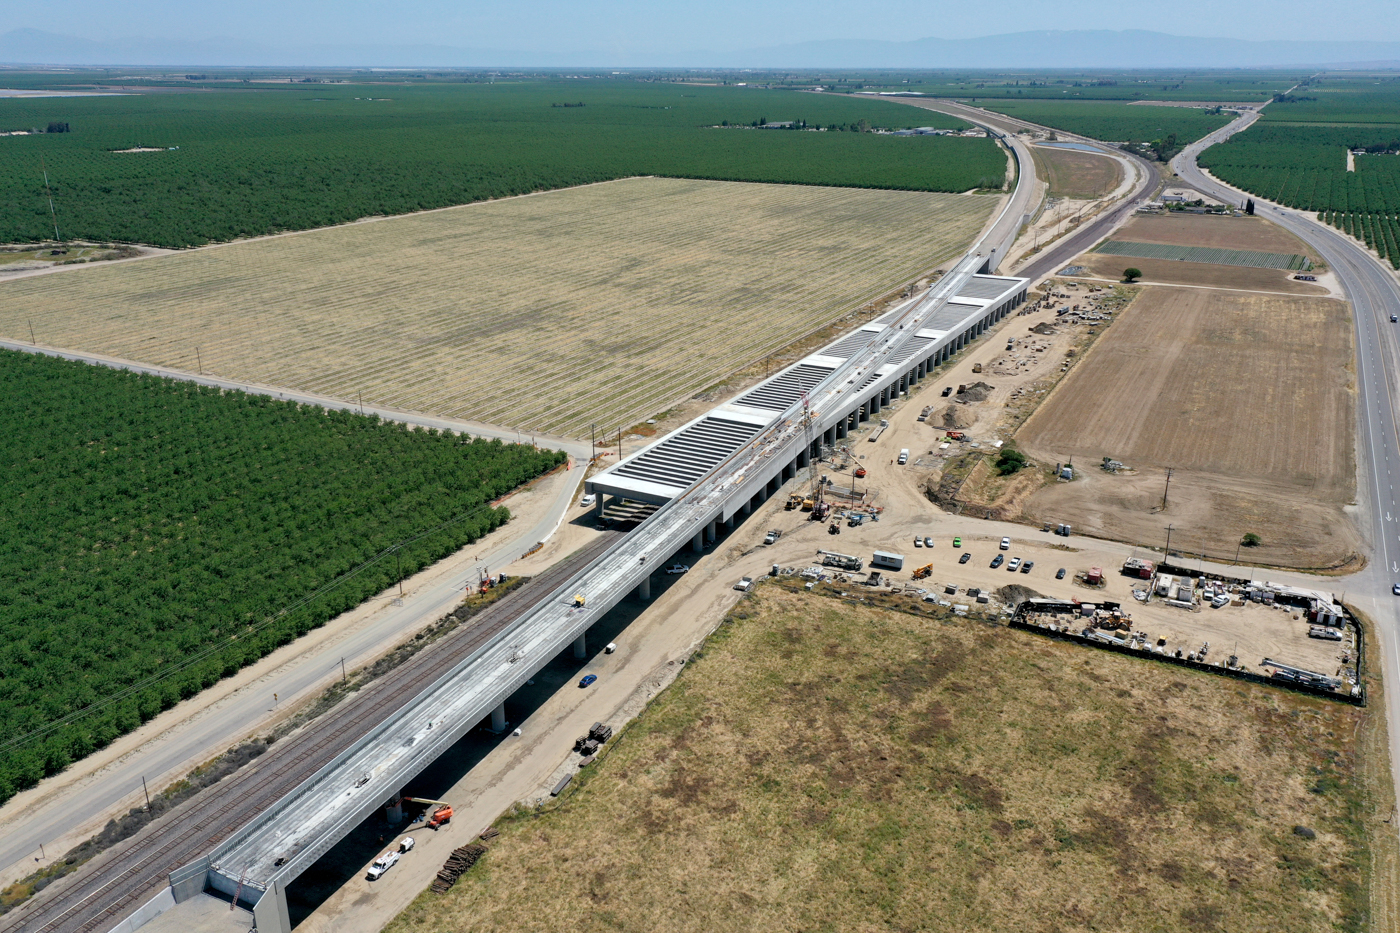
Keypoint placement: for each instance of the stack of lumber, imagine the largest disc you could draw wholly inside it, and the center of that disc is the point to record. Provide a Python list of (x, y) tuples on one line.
[(461, 859)]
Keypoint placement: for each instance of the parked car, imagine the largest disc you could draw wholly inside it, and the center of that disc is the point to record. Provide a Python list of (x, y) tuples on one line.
[(998, 561), (957, 542), (587, 500), (382, 864), (918, 541), (1060, 574), (967, 556), (1026, 567), (1013, 564), (677, 568), (587, 679), (1006, 544), (928, 542)]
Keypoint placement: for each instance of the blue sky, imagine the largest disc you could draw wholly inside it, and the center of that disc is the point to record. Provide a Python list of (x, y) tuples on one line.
[(629, 26)]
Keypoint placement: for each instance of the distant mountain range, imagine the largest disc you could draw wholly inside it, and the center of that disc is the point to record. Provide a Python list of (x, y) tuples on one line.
[(1045, 49)]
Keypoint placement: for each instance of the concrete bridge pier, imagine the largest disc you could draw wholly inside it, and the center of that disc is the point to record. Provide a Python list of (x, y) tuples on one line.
[(697, 544), (710, 531), (804, 458), (748, 506), (598, 505), (394, 811), (643, 592), (498, 718)]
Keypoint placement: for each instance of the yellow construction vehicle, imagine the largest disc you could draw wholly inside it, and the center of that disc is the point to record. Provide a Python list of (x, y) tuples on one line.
[(578, 600), (794, 502), (923, 571)]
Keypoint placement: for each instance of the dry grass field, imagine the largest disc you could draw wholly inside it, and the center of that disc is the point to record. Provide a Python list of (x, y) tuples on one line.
[(827, 766), (1249, 397), (1074, 174), (600, 304), (1254, 233)]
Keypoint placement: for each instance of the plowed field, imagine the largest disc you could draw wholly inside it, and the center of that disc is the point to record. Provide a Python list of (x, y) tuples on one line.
[(603, 304), (1249, 397)]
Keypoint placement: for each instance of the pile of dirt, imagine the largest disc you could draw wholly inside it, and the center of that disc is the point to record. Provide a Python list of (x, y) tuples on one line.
[(955, 417), (977, 392), (1043, 328), (1014, 594)]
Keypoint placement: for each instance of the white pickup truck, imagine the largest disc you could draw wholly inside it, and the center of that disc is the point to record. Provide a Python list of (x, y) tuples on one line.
[(744, 585)]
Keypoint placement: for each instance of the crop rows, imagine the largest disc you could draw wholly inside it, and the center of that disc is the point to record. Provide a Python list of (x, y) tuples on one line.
[(1114, 122), (1305, 167), (1255, 259), (238, 164), (158, 533), (597, 305)]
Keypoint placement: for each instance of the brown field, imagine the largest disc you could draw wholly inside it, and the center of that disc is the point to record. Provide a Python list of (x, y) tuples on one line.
[(1176, 272), (602, 304), (1249, 397), (1211, 230), (1074, 174), (827, 766)]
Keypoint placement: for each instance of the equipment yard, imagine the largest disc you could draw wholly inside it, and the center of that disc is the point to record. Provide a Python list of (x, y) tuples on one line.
[(1249, 398), (602, 304), (820, 759)]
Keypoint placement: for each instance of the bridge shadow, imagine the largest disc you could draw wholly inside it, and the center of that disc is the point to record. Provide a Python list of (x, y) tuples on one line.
[(352, 855)]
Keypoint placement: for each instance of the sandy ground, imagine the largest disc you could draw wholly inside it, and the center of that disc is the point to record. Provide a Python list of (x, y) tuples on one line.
[(1073, 173), (241, 706)]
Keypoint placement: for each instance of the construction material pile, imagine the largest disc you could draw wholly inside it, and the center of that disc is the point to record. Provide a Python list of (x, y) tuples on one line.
[(461, 859)]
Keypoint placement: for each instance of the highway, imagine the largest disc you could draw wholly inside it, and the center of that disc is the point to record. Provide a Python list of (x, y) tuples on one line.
[(1374, 294)]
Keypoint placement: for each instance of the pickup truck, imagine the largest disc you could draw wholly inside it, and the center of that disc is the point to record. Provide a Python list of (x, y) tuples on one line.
[(772, 536), (744, 585)]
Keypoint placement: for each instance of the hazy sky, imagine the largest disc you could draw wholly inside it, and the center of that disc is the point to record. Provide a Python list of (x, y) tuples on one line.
[(623, 26)]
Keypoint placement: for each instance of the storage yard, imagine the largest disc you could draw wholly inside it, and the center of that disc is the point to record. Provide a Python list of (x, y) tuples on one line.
[(813, 744), (1248, 398), (463, 312)]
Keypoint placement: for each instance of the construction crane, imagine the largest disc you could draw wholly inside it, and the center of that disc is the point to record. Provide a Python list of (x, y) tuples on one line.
[(815, 502)]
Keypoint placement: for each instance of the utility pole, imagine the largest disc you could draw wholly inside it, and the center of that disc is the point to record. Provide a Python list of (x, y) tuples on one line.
[(31, 334), (1169, 542), (361, 396), (198, 362), (147, 792), (593, 442), (52, 213), (398, 571), (1165, 488), (1238, 545), (342, 670), (619, 445)]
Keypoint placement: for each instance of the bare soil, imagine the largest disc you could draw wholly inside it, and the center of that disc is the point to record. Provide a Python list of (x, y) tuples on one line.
[(1250, 398), (824, 765), (1074, 174), (1177, 272), (1211, 230)]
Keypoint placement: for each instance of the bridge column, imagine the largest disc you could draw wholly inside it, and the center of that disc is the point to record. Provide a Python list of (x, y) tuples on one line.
[(581, 647), (270, 914), (598, 505), (643, 592), (394, 811), (697, 543), (841, 428), (864, 414), (804, 458), (873, 406), (498, 718), (710, 531)]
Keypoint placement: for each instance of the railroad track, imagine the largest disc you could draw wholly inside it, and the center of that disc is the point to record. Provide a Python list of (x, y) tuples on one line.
[(131, 873)]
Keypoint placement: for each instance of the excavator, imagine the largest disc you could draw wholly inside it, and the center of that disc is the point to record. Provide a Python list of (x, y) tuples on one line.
[(443, 813)]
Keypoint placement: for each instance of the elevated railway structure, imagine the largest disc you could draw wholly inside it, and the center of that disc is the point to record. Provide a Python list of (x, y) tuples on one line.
[(249, 837)]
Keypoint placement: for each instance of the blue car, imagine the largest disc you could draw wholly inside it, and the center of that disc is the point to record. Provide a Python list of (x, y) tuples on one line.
[(587, 679)]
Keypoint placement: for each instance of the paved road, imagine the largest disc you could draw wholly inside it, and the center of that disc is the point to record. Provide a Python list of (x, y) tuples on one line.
[(1374, 294), (130, 874), (24, 829)]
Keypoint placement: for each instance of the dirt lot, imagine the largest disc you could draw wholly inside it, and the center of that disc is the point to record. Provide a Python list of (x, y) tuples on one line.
[(1249, 397), (1176, 272), (821, 765), (1074, 174), (1222, 232), (601, 304)]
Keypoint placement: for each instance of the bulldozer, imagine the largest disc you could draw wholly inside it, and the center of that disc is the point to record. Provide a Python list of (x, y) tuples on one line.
[(794, 501), (923, 571)]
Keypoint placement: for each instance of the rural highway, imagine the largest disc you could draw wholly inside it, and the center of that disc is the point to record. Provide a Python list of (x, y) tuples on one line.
[(1374, 293), (57, 805)]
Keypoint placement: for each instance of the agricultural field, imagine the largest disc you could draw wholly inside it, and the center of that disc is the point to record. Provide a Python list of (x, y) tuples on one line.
[(597, 305), (160, 535), (1076, 175), (1297, 156), (1248, 397), (1249, 258), (182, 169), (1115, 122), (826, 765)]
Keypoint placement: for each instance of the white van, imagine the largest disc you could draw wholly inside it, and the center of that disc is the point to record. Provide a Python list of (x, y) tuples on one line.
[(904, 456)]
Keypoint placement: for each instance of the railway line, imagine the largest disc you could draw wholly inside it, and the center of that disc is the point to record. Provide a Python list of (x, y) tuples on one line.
[(127, 875)]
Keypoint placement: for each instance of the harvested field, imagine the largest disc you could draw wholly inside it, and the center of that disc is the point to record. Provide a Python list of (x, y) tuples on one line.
[(1175, 272), (1074, 174), (1253, 259), (1246, 233), (1249, 397), (602, 304), (822, 765)]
